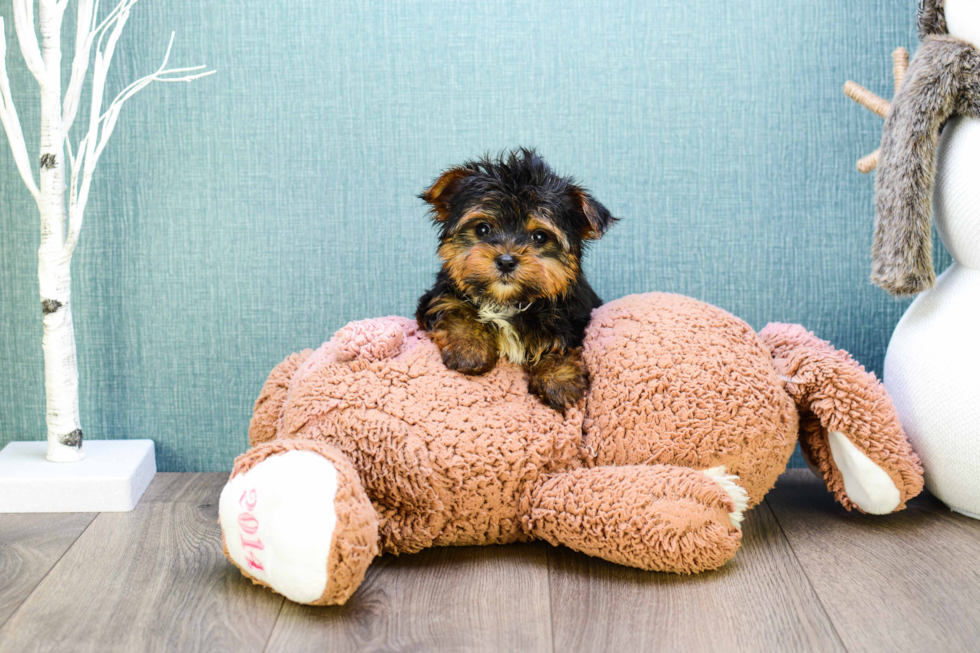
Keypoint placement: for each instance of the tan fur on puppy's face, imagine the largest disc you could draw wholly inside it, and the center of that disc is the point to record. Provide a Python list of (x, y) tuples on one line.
[(543, 270)]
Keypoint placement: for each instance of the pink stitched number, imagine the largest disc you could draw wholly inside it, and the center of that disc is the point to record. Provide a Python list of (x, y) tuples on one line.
[(253, 562), (248, 500), (248, 523), (255, 544)]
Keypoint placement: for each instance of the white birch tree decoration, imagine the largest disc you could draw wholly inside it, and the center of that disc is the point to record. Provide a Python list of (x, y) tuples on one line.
[(62, 206)]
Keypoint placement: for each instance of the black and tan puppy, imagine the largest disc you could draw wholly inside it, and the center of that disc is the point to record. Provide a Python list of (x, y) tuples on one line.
[(511, 238)]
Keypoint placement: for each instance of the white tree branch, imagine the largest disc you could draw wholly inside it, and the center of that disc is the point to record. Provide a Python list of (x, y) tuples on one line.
[(27, 37), (87, 32), (162, 74), (76, 166), (11, 124), (85, 166), (58, 113), (101, 125), (87, 11)]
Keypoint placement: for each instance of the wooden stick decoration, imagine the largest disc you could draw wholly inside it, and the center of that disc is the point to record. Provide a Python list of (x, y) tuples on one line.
[(876, 104)]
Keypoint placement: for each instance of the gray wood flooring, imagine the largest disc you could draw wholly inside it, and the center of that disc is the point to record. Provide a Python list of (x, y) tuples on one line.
[(809, 577)]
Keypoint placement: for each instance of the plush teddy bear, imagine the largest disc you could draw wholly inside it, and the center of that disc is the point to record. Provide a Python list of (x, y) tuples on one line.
[(370, 444)]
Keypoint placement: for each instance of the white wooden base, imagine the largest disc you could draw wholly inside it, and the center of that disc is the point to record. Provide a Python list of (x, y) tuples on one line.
[(111, 478)]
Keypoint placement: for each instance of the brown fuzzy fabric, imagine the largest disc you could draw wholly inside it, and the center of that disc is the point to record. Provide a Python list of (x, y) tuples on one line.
[(656, 517), (835, 393), (942, 80), (931, 18), (268, 407), (685, 383), (355, 538), (443, 456)]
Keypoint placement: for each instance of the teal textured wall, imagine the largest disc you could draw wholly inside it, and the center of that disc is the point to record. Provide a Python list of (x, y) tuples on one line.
[(251, 214)]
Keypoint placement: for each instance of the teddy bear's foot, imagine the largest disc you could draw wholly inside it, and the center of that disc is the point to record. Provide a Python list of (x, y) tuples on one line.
[(849, 431), (655, 517), (291, 522), (278, 520)]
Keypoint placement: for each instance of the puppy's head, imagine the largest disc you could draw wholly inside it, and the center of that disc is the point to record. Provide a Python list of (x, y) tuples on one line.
[(511, 230)]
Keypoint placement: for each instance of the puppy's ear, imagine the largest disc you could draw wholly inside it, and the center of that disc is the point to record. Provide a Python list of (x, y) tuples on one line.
[(441, 192), (597, 217)]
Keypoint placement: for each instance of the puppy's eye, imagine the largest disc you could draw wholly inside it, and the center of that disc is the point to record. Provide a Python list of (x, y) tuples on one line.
[(539, 237), (482, 230)]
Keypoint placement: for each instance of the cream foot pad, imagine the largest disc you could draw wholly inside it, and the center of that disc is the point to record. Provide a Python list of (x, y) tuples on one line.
[(278, 519)]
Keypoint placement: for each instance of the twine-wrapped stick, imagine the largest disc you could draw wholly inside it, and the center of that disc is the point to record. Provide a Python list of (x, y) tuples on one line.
[(876, 104)]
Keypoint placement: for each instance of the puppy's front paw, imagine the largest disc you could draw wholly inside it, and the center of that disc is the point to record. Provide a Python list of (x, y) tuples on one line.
[(558, 394), (559, 380), (474, 357)]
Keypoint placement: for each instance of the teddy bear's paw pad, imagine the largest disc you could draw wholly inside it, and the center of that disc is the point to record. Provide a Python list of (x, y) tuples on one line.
[(737, 493), (866, 484), (278, 520)]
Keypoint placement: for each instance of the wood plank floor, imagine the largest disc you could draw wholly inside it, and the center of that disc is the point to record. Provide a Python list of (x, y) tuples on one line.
[(809, 577)]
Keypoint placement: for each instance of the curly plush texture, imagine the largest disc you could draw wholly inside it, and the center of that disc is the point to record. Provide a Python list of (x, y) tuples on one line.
[(686, 425), (677, 381), (443, 455), (268, 407)]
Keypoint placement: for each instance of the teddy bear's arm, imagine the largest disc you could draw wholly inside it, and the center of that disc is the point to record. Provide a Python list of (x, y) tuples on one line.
[(930, 94), (655, 517)]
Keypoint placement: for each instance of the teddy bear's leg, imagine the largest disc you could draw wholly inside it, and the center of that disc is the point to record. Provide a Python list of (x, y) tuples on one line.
[(655, 517), (294, 517), (849, 430), (268, 407)]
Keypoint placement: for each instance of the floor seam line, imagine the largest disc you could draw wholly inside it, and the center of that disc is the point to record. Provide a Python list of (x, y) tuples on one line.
[(48, 572), (806, 575), (272, 631), (551, 605)]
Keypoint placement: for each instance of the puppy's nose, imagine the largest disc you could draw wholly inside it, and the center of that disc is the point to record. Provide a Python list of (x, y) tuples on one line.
[(506, 263)]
